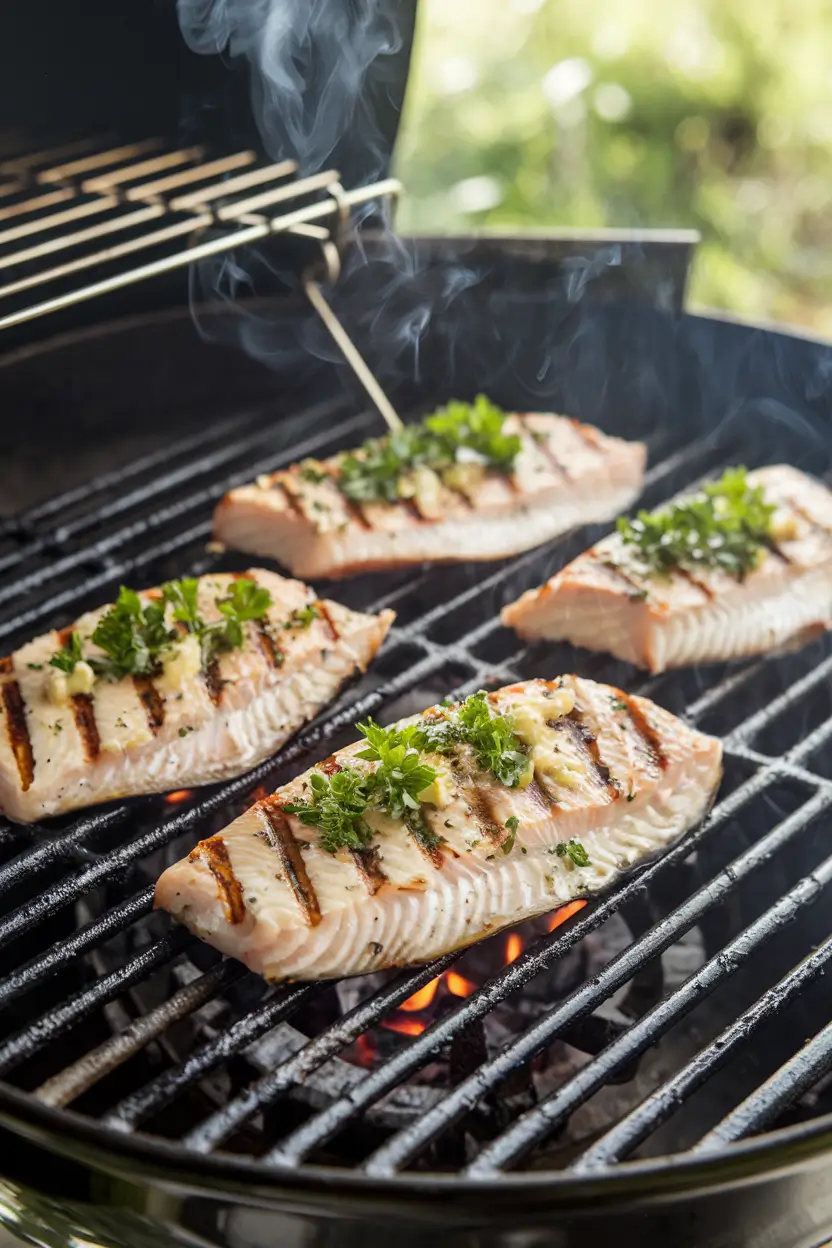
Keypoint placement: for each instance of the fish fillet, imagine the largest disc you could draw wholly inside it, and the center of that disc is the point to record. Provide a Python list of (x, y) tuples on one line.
[(566, 474), (617, 774), (143, 735), (603, 601)]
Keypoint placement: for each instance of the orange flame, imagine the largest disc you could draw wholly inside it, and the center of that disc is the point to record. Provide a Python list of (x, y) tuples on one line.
[(421, 999), (564, 913), (458, 984), (407, 1026), (514, 947), (180, 795), (365, 1050)]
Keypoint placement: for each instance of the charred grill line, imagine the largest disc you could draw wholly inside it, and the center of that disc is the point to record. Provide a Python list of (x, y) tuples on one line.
[(280, 836), (369, 867), (543, 448), (646, 731), (326, 616), (271, 650), (214, 853), (18, 730), (588, 744), (214, 683), (151, 700)]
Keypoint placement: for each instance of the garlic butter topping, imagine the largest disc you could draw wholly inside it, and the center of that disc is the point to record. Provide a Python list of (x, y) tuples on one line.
[(182, 662), (61, 686)]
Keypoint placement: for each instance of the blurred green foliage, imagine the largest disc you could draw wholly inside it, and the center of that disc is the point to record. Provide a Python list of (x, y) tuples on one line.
[(715, 114)]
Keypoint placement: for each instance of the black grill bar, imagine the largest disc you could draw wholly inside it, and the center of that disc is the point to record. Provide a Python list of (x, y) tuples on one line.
[(553, 1112), (64, 952), (172, 1083), (65, 847), (93, 1066), (26, 1042), (403, 1147), (776, 1094), (311, 1056), (661, 1104)]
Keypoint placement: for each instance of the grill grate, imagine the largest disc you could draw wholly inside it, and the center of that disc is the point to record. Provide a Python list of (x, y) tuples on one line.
[(82, 222), (77, 937)]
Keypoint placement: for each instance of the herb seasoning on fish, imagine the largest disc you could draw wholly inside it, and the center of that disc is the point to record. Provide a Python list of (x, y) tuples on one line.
[(135, 635), (725, 525), (461, 433)]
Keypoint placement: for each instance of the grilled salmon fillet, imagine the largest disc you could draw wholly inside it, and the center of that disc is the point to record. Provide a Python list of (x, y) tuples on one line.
[(566, 474), (184, 726), (614, 779), (604, 599)]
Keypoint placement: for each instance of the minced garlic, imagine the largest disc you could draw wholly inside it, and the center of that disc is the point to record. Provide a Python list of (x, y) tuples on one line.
[(783, 526), (65, 685), (531, 724)]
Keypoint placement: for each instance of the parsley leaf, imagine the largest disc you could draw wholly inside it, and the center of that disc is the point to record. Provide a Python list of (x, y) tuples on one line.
[(66, 658), (132, 636), (302, 617), (336, 807), (512, 823), (401, 775), (724, 525), (308, 471), (574, 850), (491, 737), (246, 600), (458, 433)]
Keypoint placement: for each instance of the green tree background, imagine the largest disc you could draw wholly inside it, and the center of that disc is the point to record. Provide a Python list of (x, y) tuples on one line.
[(715, 114)]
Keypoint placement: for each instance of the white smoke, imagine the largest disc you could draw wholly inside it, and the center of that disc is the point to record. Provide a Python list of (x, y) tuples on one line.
[(310, 63)]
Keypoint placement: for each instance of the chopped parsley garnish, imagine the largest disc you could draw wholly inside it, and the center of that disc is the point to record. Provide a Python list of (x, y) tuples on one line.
[(246, 600), (36, 667), (491, 737), (302, 617), (135, 635), (573, 850), (512, 823), (308, 471), (132, 636), (336, 806), (618, 704), (401, 775), (724, 525), (70, 653), (457, 434)]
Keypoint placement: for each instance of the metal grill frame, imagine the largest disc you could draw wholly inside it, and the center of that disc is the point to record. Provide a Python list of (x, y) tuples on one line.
[(224, 463)]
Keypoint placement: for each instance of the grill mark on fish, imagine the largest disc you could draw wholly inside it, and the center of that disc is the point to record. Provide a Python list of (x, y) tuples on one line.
[(214, 683), (277, 831), (18, 729), (646, 731), (588, 744), (545, 450), (369, 868), (6, 666), (702, 586), (801, 511), (83, 709), (329, 766), (774, 548), (618, 572), (214, 853), (294, 502), (418, 826), (151, 700), (541, 794), (324, 613), (272, 652), (483, 813), (588, 434)]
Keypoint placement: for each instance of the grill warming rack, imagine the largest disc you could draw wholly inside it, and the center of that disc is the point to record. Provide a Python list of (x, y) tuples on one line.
[(149, 524), (134, 212)]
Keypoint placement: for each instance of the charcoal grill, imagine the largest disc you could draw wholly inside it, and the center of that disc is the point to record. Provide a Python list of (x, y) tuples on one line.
[(130, 1052), (656, 1067)]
